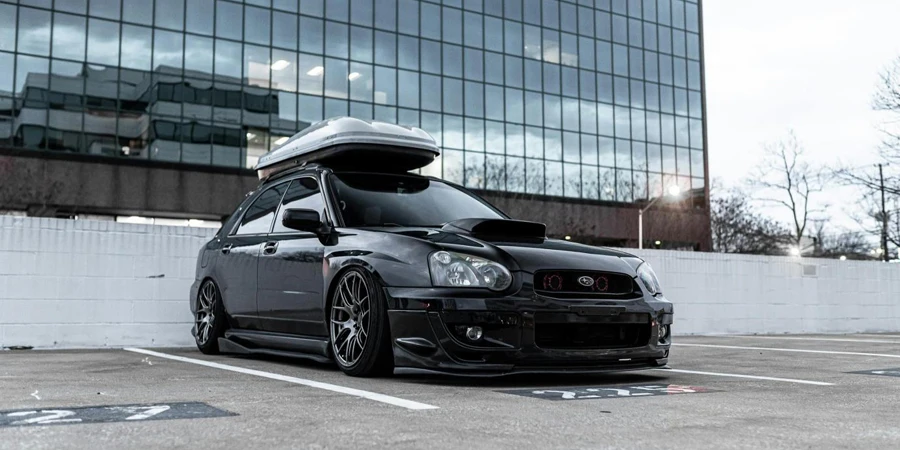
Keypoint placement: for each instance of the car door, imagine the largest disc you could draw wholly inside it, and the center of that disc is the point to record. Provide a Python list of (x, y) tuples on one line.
[(236, 265), (290, 268)]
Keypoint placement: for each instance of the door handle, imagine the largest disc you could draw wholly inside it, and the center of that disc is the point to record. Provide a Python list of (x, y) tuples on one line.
[(269, 248), (226, 249)]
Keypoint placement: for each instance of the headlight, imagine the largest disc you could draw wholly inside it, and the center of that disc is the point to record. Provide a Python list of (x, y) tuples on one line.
[(450, 269), (648, 278)]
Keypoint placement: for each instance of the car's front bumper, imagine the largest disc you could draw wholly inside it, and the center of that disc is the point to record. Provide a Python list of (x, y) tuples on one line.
[(524, 334)]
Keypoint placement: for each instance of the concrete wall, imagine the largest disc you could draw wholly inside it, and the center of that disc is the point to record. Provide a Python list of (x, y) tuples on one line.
[(67, 283), (81, 283)]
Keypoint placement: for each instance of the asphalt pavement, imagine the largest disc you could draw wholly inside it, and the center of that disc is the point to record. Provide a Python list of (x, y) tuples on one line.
[(722, 392)]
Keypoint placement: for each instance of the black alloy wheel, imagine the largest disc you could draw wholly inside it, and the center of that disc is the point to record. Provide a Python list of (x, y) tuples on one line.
[(209, 320), (359, 331)]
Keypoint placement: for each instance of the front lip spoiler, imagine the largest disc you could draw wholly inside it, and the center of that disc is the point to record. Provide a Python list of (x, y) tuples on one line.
[(526, 371)]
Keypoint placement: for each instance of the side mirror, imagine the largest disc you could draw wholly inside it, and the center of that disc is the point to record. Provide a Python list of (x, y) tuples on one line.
[(303, 220)]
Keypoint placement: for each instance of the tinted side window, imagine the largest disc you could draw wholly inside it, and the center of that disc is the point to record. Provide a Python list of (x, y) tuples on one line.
[(303, 194), (261, 213)]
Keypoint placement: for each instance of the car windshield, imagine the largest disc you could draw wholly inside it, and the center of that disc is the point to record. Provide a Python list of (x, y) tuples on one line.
[(370, 200)]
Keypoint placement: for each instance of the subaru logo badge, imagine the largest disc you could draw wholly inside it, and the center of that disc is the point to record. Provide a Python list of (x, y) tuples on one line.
[(586, 281)]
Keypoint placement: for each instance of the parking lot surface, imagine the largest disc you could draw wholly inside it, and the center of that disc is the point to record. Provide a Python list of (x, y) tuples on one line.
[(722, 392)]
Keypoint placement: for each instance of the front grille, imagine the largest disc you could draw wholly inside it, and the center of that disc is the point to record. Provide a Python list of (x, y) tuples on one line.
[(591, 335), (583, 283)]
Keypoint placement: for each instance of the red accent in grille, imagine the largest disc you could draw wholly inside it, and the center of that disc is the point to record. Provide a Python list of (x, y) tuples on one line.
[(553, 282), (601, 284)]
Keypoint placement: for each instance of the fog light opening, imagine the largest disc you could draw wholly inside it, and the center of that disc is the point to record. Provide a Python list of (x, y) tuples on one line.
[(663, 332), (474, 333)]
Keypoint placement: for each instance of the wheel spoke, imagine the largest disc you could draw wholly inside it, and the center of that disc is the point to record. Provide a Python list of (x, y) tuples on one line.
[(353, 342), (363, 332), (340, 323), (361, 315), (343, 333), (345, 309), (346, 295)]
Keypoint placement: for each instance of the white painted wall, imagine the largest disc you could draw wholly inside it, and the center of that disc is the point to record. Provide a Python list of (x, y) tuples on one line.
[(69, 284), (82, 283)]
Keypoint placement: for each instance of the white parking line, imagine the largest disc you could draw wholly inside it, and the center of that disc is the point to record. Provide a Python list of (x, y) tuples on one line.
[(752, 377), (883, 336), (792, 338), (408, 404), (797, 350)]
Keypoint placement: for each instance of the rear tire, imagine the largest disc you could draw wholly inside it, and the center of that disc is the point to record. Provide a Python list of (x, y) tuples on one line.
[(358, 326), (209, 320)]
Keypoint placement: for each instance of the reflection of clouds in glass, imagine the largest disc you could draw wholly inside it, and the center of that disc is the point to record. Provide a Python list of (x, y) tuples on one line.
[(32, 69), (136, 47), (7, 27), (6, 73), (34, 31), (668, 159), (198, 54), (103, 42), (654, 157), (534, 142), (228, 58), (495, 137), (588, 149), (168, 49), (588, 117), (474, 134), (515, 140), (453, 132), (69, 36)]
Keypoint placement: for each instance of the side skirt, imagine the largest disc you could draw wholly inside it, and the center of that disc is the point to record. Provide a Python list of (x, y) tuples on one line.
[(274, 344)]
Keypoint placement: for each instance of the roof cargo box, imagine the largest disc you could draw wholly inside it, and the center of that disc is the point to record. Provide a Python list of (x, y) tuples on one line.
[(348, 143)]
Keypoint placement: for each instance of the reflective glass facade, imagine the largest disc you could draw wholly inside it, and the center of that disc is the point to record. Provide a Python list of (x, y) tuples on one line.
[(594, 99)]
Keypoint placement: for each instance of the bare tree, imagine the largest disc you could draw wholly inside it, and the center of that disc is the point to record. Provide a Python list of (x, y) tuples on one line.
[(835, 244), (887, 99), (879, 185), (871, 219), (786, 179), (736, 228)]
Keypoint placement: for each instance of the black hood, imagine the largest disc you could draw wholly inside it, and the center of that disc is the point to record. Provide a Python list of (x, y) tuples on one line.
[(520, 245)]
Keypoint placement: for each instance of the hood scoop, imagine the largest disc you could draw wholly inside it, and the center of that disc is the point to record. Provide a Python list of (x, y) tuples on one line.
[(498, 229)]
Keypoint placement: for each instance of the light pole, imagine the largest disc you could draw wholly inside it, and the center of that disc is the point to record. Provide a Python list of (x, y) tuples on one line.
[(673, 191)]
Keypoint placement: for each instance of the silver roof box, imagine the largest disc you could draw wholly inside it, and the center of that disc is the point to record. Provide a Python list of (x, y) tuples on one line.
[(349, 143)]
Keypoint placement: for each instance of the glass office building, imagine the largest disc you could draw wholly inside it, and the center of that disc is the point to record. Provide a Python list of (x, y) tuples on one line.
[(591, 99)]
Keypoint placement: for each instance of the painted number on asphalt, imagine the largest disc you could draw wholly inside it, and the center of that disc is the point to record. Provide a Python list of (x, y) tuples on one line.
[(598, 392), (882, 372), (113, 413)]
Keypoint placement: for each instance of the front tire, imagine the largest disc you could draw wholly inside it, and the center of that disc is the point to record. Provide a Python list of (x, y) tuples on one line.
[(209, 320), (358, 326)]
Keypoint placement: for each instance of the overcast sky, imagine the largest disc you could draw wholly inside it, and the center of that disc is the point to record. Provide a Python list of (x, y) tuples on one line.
[(809, 65)]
